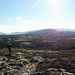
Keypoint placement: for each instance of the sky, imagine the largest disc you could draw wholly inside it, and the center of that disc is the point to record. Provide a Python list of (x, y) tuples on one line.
[(27, 15)]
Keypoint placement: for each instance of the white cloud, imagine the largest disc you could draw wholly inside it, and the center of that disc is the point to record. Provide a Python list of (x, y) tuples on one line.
[(24, 25), (28, 25), (35, 3), (18, 18), (9, 19), (19, 28)]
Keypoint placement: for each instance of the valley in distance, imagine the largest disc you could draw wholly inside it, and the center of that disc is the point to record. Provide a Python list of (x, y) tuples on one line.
[(41, 52)]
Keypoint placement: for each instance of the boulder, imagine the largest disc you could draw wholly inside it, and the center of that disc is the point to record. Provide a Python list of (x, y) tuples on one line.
[(33, 61), (45, 61), (24, 62), (12, 64), (20, 64)]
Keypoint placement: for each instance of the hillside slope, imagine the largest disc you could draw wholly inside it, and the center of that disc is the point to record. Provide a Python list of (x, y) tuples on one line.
[(42, 39)]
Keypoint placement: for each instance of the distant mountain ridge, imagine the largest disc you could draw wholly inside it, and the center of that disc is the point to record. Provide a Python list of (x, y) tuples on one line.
[(18, 33), (41, 39), (61, 29), (50, 34), (1, 33), (64, 29)]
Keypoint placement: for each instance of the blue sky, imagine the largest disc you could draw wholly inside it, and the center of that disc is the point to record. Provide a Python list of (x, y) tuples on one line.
[(27, 15)]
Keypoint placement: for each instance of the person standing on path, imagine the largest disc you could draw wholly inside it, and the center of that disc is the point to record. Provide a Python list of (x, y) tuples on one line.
[(9, 47)]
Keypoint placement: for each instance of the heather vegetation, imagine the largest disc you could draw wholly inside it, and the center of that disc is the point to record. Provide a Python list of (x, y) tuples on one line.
[(48, 39), (45, 52)]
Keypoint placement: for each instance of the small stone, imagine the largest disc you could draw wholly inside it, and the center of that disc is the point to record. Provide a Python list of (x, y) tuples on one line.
[(20, 65), (0, 68), (12, 64), (24, 62)]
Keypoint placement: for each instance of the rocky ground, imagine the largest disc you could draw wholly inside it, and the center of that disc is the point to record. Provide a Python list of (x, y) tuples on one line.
[(37, 62)]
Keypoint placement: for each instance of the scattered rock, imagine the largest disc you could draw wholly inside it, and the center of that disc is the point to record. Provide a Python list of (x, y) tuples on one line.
[(12, 64), (20, 64), (31, 63)]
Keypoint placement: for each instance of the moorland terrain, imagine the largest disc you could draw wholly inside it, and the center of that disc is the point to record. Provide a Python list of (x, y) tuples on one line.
[(42, 52)]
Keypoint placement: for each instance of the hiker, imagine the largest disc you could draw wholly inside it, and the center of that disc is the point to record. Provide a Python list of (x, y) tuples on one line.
[(9, 47)]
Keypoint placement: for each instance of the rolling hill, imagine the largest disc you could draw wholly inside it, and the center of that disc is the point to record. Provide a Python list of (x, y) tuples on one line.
[(41, 39)]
